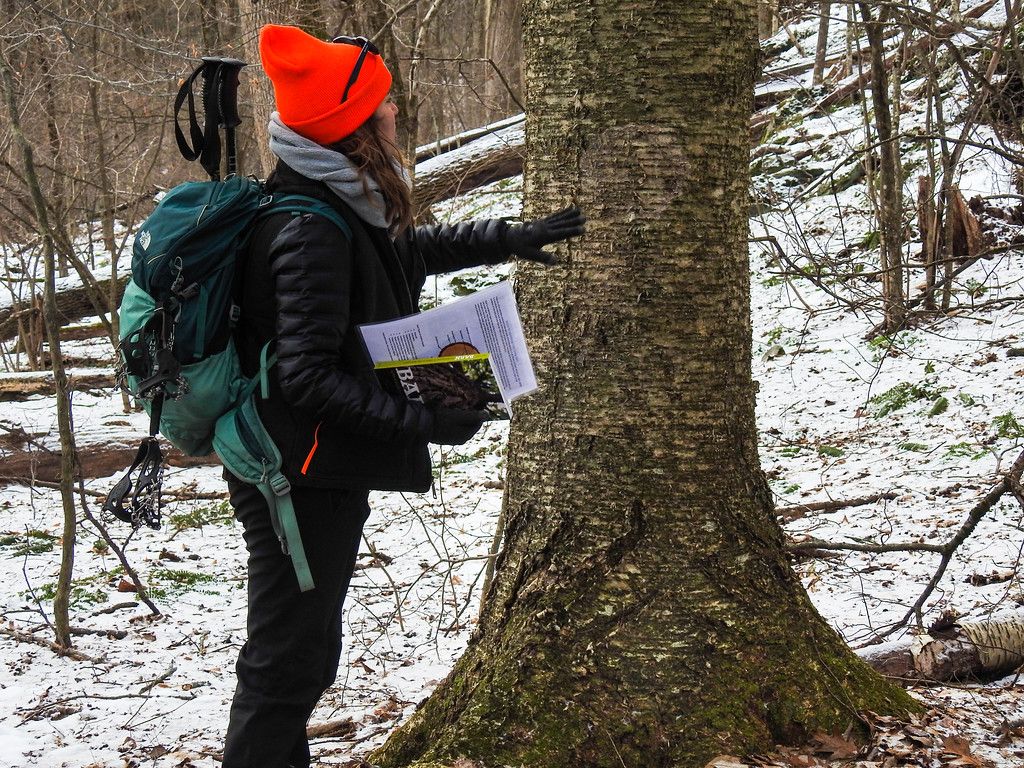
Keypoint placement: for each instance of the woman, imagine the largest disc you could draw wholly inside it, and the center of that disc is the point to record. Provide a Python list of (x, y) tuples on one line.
[(307, 287)]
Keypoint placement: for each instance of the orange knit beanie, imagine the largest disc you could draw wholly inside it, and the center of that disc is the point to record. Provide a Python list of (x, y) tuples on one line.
[(309, 77)]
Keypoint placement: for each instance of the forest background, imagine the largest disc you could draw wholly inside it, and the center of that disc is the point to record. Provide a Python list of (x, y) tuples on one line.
[(884, 216)]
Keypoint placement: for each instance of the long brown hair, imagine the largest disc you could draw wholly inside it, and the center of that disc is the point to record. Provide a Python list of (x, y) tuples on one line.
[(375, 158)]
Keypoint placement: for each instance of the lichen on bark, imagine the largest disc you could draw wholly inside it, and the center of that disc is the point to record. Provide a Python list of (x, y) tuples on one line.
[(643, 611)]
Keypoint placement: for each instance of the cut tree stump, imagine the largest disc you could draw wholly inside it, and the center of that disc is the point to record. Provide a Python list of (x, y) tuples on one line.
[(967, 238)]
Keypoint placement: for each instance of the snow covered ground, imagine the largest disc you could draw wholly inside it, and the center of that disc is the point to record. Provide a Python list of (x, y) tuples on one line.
[(929, 416)]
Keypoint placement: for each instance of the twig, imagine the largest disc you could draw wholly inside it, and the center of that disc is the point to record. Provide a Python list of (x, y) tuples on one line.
[(110, 634), (798, 511), (849, 546), (499, 535), (115, 607), (149, 686), (387, 574), (140, 588), (784, 259), (35, 712)]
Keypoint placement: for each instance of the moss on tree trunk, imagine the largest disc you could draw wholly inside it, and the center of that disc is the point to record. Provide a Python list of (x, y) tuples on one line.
[(643, 612)]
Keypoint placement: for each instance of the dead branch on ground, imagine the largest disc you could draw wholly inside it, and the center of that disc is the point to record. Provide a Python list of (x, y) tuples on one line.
[(1010, 482), (798, 511), (26, 637)]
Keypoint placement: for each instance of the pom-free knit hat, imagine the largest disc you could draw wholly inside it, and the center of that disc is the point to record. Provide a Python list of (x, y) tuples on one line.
[(309, 77)]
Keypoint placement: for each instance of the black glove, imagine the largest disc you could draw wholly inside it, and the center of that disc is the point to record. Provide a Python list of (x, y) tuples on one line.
[(527, 239), (455, 426)]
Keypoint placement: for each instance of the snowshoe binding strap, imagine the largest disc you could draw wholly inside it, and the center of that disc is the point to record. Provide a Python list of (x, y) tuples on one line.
[(135, 498)]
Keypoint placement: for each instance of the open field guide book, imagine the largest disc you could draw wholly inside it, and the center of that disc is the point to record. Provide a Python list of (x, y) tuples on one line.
[(468, 353)]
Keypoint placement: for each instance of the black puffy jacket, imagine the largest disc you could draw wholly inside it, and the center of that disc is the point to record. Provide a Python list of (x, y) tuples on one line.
[(307, 287)]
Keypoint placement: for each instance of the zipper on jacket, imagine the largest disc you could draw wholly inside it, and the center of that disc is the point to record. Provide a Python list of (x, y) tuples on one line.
[(316, 444)]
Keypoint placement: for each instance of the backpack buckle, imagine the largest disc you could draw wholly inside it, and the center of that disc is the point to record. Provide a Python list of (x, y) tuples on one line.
[(280, 485)]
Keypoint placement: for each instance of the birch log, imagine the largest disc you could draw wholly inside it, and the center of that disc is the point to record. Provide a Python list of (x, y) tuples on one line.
[(963, 651)]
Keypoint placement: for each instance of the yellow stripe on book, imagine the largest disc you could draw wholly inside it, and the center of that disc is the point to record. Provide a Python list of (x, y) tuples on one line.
[(431, 361)]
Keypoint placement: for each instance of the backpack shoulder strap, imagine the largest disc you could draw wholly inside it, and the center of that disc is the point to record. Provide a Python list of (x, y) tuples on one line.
[(298, 204), (277, 491)]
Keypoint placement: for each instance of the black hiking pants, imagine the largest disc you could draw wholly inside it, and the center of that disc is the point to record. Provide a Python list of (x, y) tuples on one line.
[(294, 638)]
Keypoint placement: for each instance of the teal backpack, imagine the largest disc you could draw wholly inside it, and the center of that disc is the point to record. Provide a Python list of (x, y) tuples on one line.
[(179, 309)]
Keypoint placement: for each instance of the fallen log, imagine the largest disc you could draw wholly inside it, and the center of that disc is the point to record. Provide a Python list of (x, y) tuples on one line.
[(15, 387), (441, 146), (25, 466), (72, 304), (952, 651), (83, 332), (498, 155)]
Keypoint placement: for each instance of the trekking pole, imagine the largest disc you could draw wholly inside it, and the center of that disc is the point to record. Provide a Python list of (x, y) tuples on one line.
[(210, 158), (220, 109), (227, 97)]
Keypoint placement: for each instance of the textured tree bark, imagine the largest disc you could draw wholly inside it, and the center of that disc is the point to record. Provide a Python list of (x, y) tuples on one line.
[(643, 612), (307, 14)]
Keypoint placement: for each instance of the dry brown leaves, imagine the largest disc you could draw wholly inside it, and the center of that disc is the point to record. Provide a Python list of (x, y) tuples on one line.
[(927, 742)]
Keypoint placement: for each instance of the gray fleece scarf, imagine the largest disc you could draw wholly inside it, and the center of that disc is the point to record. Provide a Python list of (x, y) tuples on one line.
[(315, 161)]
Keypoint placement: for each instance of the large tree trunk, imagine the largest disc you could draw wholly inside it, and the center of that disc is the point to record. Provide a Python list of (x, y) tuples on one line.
[(643, 611), (257, 89)]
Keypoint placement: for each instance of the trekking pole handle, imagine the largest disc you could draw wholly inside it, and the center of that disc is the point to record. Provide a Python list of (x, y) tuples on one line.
[(228, 88)]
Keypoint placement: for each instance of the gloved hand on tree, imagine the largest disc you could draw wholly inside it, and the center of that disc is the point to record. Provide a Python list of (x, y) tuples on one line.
[(527, 240), (455, 426)]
